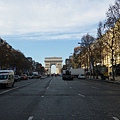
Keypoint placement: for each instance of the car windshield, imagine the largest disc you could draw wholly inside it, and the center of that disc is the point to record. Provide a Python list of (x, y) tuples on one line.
[(23, 75), (3, 77), (16, 76), (82, 74)]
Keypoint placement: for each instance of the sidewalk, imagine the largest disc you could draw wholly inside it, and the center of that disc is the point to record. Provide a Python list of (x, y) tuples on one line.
[(117, 80)]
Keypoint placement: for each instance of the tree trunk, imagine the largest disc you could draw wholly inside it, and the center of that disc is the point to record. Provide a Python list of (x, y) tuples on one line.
[(112, 60)]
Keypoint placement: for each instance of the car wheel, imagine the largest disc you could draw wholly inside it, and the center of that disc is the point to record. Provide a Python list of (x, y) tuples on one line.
[(12, 84), (3, 86)]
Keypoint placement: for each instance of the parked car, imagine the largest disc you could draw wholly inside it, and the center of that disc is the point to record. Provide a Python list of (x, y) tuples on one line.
[(6, 78), (81, 76), (31, 76), (16, 78), (24, 77), (36, 76)]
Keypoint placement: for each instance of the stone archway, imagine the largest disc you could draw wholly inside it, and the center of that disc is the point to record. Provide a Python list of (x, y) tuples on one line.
[(57, 61)]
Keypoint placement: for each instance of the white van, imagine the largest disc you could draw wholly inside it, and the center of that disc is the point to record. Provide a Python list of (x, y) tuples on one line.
[(6, 78)]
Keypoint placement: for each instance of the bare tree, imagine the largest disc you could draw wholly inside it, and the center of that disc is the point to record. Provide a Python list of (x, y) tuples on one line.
[(113, 16), (75, 60), (99, 45), (86, 42)]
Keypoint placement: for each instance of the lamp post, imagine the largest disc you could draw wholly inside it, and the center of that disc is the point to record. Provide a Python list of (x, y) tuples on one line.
[(71, 60), (112, 62), (80, 56), (115, 64)]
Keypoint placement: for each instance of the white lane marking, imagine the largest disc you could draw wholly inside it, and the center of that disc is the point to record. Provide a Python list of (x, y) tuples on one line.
[(83, 83), (81, 95), (95, 87), (65, 83), (51, 82), (30, 118), (47, 87), (42, 96), (115, 118), (13, 88), (5, 91)]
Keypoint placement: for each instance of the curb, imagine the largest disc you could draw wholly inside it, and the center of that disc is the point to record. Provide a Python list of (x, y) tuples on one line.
[(109, 81)]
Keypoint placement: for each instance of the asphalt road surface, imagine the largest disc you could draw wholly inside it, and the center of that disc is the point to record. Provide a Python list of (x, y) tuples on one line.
[(55, 99)]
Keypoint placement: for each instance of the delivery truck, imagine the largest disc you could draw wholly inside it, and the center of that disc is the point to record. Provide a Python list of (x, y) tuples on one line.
[(66, 75), (76, 72), (6, 78)]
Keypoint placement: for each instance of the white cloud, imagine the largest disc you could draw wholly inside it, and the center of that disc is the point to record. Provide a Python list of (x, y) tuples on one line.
[(35, 16)]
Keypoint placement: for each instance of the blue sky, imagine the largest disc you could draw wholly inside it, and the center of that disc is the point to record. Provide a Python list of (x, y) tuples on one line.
[(49, 28)]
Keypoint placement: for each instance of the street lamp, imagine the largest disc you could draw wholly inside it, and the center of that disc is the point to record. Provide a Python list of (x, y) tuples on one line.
[(70, 60), (80, 55)]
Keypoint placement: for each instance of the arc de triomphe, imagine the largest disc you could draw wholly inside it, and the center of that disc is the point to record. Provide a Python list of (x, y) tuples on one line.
[(57, 61)]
